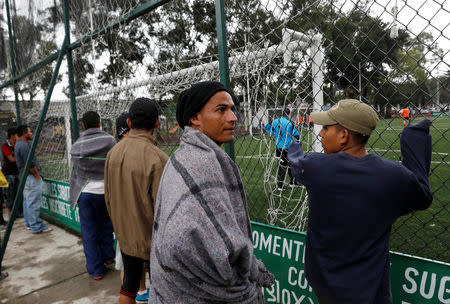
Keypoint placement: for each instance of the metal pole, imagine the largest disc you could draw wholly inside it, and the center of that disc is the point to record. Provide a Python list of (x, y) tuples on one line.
[(36, 136), (223, 56), (13, 62), (248, 104), (437, 90), (128, 17), (317, 75), (359, 77), (73, 104), (68, 133), (94, 55)]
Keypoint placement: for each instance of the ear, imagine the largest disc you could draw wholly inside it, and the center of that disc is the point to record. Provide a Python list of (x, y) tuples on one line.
[(344, 136), (157, 123), (82, 125), (99, 124), (195, 120), (129, 123)]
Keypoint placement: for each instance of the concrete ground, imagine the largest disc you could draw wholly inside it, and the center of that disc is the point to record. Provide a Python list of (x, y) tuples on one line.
[(49, 268)]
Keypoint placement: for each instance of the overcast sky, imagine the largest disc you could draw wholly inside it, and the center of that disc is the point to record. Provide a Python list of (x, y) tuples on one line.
[(421, 16)]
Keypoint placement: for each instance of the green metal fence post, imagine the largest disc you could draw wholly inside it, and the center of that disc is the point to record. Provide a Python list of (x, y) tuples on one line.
[(223, 56), (221, 30), (73, 104), (13, 61), (31, 153)]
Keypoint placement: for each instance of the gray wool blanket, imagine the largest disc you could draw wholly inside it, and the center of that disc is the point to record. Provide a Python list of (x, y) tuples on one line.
[(202, 249), (88, 156)]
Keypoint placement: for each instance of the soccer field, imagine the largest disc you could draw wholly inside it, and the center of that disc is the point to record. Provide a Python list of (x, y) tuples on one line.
[(423, 233)]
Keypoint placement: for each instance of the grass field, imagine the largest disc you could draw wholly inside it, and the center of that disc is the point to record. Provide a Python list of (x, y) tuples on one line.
[(424, 233)]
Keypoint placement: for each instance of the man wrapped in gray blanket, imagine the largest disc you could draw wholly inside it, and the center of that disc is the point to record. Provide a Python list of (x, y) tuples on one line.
[(202, 249)]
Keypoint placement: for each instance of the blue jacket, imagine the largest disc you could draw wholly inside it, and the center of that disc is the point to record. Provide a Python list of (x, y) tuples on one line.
[(353, 202), (284, 132)]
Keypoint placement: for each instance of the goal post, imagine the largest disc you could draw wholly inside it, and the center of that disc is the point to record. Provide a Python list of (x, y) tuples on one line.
[(258, 72)]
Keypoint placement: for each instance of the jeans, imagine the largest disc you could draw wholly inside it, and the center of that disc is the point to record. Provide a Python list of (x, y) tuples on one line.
[(96, 232), (32, 204)]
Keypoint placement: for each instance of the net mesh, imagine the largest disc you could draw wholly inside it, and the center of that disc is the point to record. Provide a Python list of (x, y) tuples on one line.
[(301, 55), (35, 26)]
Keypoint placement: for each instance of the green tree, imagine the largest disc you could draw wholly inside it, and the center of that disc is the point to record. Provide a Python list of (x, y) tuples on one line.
[(3, 47), (29, 47), (359, 46), (124, 49), (412, 70)]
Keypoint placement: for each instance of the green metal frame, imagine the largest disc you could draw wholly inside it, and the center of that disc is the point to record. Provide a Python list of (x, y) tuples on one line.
[(13, 61), (66, 49), (224, 69), (136, 13), (73, 104), (30, 70), (26, 169)]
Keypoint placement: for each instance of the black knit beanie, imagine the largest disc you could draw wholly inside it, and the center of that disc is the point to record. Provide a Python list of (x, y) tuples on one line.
[(121, 125), (192, 100), (143, 113)]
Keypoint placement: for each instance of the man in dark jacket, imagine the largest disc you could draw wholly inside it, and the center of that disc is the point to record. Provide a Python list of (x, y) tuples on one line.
[(354, 198), (87, 189)]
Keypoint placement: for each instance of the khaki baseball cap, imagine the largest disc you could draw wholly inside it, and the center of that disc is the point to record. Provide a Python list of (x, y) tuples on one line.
[(352, 114)]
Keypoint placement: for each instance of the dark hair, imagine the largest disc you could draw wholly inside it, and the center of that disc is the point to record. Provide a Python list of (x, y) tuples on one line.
[(357, 137), (121, 125), (143, 113), (11, 132), (21, 130), (286, 111), (90, 120)]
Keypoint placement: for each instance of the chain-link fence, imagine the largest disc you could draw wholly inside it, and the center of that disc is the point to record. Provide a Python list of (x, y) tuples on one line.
[(302, 55)]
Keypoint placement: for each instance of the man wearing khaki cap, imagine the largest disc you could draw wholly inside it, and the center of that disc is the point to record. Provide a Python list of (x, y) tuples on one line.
[(354, 198)]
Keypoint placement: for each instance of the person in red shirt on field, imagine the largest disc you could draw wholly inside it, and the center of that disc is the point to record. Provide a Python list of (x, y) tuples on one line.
[(310, 122), (405, 115)]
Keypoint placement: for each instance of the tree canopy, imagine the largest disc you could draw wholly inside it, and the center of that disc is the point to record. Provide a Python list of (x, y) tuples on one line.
[(359, 52)]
